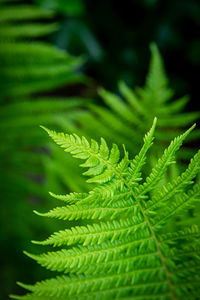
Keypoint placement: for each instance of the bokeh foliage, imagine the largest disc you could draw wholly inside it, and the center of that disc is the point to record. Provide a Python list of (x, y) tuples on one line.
[(30, 66)]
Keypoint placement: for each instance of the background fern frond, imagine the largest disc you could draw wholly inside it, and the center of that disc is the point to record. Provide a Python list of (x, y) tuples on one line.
[(30, 67), (125, 118)]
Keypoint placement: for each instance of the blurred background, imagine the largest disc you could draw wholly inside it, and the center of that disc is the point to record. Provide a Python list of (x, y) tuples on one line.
[(115, 38), (54, 55)]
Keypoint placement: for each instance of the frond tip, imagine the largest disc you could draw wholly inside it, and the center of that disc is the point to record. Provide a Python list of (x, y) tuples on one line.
[(121, 252), (100, 161)]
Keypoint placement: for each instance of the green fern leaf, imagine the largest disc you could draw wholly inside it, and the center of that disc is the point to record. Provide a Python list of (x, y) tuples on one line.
[(121, 251), (126, 119)]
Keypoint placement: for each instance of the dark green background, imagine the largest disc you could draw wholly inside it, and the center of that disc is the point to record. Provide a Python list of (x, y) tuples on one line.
[(115, 37)]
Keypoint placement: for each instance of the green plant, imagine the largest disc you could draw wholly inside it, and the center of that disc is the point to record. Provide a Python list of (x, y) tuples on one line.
[(125, 118), (30, 67), (124, 250), (123, 56), (69, 8)]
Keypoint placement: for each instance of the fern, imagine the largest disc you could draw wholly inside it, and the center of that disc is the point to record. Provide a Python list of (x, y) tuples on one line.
[(27, 65), (126, 117), (122, 251), (29, 68)]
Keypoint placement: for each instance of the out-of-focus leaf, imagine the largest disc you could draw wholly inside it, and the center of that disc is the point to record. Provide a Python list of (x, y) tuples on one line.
[(67, 7)]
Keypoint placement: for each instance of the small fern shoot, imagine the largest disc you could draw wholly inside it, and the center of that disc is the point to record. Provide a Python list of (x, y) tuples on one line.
[(122, 251)]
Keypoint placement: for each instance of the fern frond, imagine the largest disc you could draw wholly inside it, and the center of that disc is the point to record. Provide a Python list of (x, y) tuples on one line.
[(125, 119), (45, 67), (29, 66), (121, 251)]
